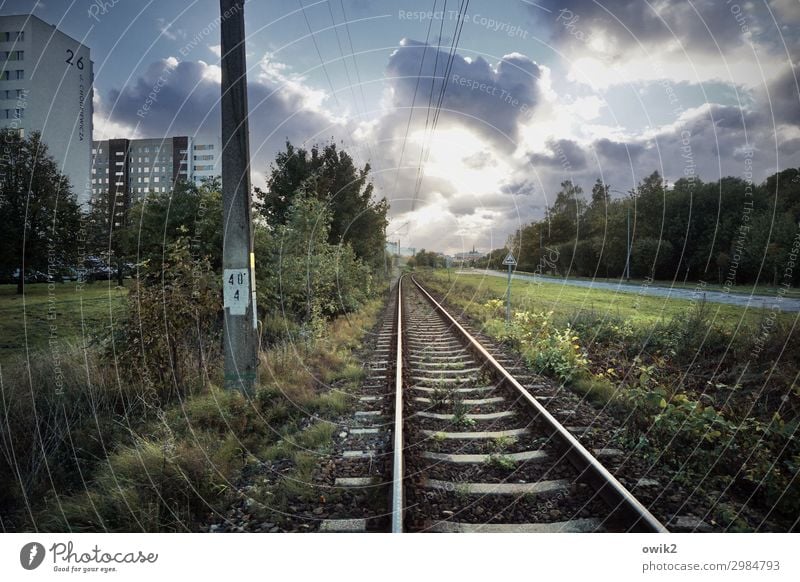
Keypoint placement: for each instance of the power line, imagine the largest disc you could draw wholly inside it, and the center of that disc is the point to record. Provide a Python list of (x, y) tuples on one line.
[(359, 110), (414, 98), (428, 112), (451, 59), (322, 62), (353, 55)]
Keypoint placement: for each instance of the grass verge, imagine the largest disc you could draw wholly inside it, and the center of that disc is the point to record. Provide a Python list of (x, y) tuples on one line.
[(85, 450), (713, 397)]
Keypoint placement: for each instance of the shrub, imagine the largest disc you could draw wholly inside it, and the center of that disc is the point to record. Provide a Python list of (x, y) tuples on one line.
[(173, 325)]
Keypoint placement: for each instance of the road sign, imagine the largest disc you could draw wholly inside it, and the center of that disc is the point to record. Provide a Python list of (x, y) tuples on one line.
[(510, 260)]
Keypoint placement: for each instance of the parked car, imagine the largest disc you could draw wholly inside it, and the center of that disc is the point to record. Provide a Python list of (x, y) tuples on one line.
[(101, 273), (34, 276)]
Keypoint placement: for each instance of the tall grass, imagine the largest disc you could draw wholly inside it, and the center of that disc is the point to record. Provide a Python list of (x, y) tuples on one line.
[(87, 449)]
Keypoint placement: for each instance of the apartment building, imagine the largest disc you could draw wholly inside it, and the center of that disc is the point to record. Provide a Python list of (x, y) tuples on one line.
[(46, 80), (125, 170)]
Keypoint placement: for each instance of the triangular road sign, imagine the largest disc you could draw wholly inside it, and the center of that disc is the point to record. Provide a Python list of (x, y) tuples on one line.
[(510, 260)]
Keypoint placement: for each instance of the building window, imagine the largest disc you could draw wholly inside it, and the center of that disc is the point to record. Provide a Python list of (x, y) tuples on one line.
[(18, 35), (12, 55), (118, 154)]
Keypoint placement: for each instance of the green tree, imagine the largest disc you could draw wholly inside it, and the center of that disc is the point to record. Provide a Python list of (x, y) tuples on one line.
[(188, 211), (301, 275), (566, 213), (175, 314), (39, 213), (109, 233), (329, 175)]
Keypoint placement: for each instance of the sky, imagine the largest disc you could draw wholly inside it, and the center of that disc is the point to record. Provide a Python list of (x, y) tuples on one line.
[(536, 93)]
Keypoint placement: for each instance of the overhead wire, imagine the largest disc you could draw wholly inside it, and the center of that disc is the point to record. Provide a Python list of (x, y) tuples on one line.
[(414, 98), (440, 101)]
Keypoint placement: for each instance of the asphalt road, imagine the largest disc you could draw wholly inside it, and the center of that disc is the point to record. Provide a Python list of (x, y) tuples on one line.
[(775, 302)]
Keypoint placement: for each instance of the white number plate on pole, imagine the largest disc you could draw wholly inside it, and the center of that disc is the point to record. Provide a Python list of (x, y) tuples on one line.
[(236, 290)]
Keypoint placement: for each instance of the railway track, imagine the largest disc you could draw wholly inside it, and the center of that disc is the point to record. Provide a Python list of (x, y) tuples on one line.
[(459, 445)]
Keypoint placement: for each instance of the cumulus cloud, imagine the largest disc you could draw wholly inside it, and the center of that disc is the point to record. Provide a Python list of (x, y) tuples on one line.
[(628, 41), (783, 95), (614, 152), (506, 138), (491, 99), (175, 97), (564, 153)]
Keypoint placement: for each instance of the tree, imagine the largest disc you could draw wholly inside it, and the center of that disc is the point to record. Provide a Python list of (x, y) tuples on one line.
[(109, 232), (567, 212), (425, 258), (301, 274), (190, 211), (39, 213), (330, 176)]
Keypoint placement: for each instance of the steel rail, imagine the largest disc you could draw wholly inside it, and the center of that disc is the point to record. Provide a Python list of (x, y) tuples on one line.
[(614, 493), (397, 457)]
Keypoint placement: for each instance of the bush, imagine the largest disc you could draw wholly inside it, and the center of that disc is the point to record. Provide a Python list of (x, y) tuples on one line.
[(549, 349), (173, 327)]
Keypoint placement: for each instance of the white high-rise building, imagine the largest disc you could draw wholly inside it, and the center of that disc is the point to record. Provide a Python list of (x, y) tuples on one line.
[(46, 80), (126, 170), (206, 161)]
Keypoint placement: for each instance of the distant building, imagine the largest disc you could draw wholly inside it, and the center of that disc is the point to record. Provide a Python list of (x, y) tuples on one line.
[(46, 80), (125, 170), (468, 257)]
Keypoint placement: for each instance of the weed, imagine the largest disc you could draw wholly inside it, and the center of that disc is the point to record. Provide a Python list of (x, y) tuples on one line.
[(503, 462), (440, 396), (460, 414), (502, 443)]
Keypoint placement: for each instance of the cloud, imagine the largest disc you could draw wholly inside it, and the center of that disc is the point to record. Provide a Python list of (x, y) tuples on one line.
[(490, 99), (505, 139), (177, 97), (784, 96), (617, 152), (169, 30), (564, 153), (627, 41)]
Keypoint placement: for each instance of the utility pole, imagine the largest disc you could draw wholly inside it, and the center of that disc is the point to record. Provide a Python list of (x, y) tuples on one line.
[(238, 261), (628, 253)]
